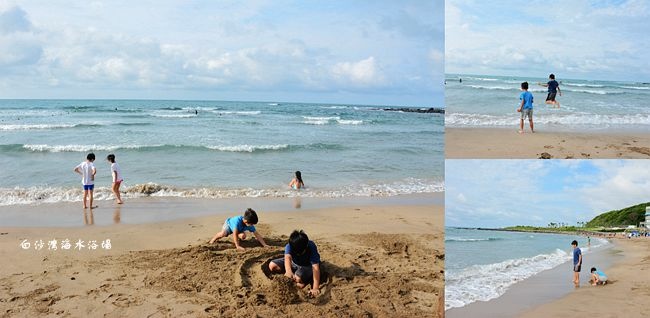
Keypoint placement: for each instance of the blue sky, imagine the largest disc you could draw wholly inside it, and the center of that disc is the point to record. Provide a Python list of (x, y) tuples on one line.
[(497, 193), (582, 39), (361, 52)]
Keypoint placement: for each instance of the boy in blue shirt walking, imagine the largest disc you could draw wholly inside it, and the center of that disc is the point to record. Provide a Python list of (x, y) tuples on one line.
[(526, 107), (237, 225)]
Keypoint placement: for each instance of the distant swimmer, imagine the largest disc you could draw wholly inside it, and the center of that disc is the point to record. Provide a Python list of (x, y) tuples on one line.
[(296, 183), (196, 112), (553, 89), (460, 80)]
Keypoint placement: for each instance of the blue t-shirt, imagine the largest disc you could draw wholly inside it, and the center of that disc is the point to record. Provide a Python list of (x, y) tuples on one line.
[(576, 255), (237, 222), (601, 274), (552, 86), (310, 256), (527, 97)]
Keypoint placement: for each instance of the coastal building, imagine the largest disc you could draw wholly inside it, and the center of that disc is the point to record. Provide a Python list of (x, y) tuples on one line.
[(646, 224)]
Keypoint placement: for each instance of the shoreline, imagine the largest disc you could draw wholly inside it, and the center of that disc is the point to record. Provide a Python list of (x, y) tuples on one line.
[(541, 288), (624, 296), (157, 209), (497, 142), (381, 260)]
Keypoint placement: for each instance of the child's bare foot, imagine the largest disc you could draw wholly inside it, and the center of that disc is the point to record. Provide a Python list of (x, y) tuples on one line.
[(520, 131), (94, 207)]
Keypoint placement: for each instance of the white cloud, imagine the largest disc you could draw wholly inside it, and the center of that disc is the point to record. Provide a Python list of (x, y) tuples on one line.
[(365, 72)]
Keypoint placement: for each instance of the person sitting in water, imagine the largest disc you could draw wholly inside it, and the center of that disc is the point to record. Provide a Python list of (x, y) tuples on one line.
[(598, 277), (296, 182)]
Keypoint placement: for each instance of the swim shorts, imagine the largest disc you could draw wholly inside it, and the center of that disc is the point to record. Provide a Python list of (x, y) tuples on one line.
[(89, 187), (551, 96), (527, 113), (305, 273), (576, 268)]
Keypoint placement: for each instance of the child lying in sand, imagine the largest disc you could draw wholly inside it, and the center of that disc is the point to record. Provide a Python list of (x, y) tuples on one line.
[(304, 260), (237, 225), (598, 277)]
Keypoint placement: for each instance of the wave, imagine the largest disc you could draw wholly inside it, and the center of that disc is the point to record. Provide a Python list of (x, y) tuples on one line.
[(326, 120), (486, 282), (44, 126), (597, 92), (229, 112), (224, 148), (508, 88), (40, 195), (635, 87), (582, 85), (488, 79), (173, 115), (452, 239), (482, 120)]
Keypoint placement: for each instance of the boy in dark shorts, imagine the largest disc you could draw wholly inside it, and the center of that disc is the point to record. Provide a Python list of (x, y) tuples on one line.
[(303, 260), (553, 89), (577, 262)]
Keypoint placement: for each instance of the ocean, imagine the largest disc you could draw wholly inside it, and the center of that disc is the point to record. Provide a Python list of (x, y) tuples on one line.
[(491, 101), (216, 149), (481, 265)]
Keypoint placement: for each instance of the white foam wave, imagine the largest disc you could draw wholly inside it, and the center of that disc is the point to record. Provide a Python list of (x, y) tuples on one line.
[(591, 91), (572, 119), (248, 148), (173, 115), (508, 88), (36, 126), (485, 282), (39, 195), (583, 85), (334, 107), (349, 122), (635, 87), (272, 104), (252, 112), (77, 148), (460, 239), (488, 79), (319, 120)]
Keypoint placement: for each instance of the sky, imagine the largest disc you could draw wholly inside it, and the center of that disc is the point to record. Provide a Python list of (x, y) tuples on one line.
[(358, 52), (498, 193), (579, 39)]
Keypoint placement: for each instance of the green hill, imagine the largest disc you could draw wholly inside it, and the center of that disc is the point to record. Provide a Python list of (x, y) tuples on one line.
[(628, 216)]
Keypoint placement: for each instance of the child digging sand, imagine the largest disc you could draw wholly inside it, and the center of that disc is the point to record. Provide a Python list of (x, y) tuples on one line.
[(301, 262), (237, 225)]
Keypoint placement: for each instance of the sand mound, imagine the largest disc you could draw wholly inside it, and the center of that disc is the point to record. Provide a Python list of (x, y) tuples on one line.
[(370, 275)]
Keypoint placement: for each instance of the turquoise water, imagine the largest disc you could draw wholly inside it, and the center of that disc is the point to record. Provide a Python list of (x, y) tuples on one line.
[(491, 101), (216, 149), (481, 265)]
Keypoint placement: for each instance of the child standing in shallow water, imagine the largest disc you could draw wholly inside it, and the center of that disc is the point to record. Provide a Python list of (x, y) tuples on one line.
[(117, 178), (525, 107), (87, 171)]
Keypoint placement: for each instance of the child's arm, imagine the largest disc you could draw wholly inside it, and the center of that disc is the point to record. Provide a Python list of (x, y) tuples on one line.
[(77, 170), (287, 266), (520, 106), (260, 239), (558, 90), (316, 277), (580, 259), (540, 84), (235, 239), (94, 173), (114, 173)]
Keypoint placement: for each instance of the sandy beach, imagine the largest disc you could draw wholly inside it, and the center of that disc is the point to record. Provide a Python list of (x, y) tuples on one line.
[(626, 295), (492, 143), (380, 260)]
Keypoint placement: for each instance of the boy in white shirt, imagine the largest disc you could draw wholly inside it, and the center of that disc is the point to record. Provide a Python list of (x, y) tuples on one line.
[(87, 171)]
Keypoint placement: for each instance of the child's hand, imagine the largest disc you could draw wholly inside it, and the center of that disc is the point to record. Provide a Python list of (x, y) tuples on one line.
[(289, 275), (519, 110), (241, 249), (314, 292)]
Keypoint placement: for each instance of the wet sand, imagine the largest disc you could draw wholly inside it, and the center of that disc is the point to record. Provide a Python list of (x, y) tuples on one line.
[(381, 260), (492, 143), (626, 295), (545, 287)]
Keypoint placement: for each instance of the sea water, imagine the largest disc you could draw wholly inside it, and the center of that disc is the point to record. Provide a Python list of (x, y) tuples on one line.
[(492, 101), (216, 149), (481, 265)]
